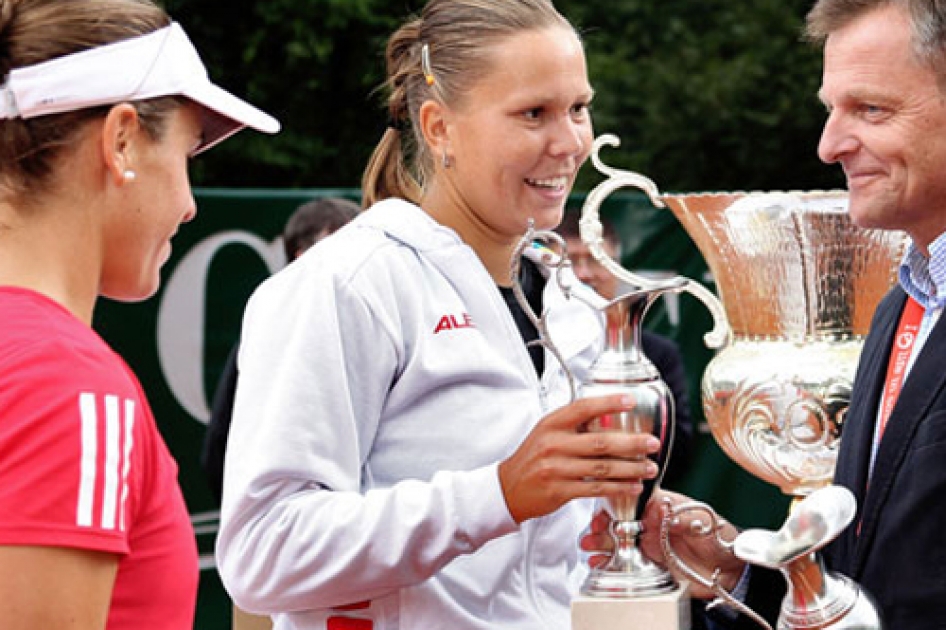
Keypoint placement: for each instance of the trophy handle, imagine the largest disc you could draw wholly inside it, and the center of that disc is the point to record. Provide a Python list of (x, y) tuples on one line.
[(570, 287), (816, 598), (712, 526), (591, 234), (534, 238)]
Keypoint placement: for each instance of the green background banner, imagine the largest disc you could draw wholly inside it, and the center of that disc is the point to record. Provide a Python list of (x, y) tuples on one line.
[(178, 340)]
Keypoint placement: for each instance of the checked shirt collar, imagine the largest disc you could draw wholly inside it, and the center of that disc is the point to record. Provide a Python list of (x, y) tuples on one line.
[(924, 279)]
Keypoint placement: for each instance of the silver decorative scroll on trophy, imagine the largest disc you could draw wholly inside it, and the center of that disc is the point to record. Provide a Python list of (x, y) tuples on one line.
[(629, 590), (799, 284), (816, 599)]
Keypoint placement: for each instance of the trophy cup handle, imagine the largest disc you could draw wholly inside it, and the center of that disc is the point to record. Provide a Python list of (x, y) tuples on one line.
[(591, 233), (712, 526), (816, 598), (534, 238)]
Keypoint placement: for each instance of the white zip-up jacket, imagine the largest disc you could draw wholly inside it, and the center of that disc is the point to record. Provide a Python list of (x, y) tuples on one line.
[(382, 380)]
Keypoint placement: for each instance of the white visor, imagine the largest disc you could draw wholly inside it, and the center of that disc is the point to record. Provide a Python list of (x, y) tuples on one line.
[(162, 63)]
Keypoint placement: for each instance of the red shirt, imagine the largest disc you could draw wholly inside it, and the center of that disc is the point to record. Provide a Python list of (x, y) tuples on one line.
[(82, 463)]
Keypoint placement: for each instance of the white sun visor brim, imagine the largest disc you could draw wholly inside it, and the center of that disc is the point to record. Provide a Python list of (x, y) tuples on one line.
[(161, 63)]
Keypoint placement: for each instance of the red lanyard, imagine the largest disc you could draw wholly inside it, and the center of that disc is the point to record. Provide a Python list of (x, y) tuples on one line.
[(903, 343)]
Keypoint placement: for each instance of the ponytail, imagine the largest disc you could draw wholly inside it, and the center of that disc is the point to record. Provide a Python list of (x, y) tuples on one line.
[(388, 174)]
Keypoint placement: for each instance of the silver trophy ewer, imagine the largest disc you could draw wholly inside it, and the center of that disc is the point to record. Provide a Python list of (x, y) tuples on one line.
[(622, 367), (799, 284), (629, 590)]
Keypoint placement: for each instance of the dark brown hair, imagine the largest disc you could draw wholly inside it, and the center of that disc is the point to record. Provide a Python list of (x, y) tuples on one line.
[(313, 219)]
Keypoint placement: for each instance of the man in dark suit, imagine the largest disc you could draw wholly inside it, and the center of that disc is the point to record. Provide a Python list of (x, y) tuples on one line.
[(884, 86), (664, 353)]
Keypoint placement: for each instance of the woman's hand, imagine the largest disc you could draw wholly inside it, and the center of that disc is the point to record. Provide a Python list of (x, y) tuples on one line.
[(560, 461), (596, 541)]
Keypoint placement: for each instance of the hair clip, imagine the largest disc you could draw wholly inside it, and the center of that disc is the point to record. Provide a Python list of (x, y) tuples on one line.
[(425, 64)]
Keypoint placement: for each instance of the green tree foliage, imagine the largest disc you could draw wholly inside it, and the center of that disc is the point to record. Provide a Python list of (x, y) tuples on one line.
[(704, 94), (315, 65)]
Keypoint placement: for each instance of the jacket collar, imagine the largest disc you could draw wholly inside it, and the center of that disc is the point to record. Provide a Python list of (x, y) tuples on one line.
[(573, 325), (925, 382)]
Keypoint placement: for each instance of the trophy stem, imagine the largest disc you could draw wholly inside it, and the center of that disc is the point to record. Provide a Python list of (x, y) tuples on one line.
[(807, 581), (628, 574), (818, 599), (624, 534)]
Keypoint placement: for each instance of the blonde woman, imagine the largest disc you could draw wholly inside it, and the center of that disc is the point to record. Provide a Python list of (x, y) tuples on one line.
[(398, 457)]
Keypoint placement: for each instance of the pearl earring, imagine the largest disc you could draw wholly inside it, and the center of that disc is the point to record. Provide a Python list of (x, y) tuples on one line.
[(129, 175)]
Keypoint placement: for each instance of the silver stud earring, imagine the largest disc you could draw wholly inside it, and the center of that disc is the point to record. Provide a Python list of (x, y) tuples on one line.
[(445, 159), (129, 175)]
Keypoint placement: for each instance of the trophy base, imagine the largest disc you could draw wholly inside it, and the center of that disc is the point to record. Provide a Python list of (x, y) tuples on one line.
[(659, 612)]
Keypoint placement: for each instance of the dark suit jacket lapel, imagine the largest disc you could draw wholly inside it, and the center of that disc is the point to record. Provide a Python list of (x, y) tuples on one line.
[(924, 382), (858, 429)]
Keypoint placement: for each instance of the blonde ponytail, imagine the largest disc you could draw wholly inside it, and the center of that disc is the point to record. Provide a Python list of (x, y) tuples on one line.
[(388, 174)]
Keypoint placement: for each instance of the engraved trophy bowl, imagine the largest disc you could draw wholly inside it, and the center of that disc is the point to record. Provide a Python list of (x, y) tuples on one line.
[(799, 283)]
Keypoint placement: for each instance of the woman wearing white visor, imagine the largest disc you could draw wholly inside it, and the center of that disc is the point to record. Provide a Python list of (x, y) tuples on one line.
[(102, 103)]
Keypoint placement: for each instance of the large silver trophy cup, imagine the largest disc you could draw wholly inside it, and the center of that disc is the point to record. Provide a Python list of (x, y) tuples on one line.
[(799, 284)]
